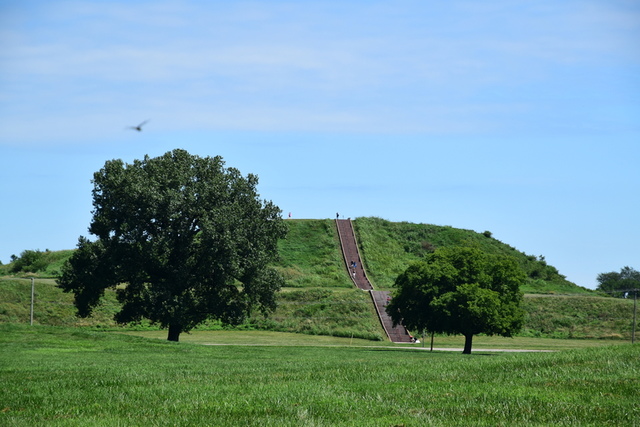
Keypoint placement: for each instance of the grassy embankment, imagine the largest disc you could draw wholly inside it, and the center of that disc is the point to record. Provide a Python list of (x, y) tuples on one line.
[(36, 263), (555, 307), (62, 377), (389, 247), (319, 297)]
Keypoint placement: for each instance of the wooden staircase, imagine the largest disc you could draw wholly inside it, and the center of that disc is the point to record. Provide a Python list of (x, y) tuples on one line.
[(359, 277), (396, 334), (351, 254)]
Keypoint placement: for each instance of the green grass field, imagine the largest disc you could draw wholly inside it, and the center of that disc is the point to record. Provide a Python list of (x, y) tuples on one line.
[(482, 343), (53, 376)]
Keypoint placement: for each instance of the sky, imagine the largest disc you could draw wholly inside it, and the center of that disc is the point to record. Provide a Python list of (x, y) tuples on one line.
[(517, 117)]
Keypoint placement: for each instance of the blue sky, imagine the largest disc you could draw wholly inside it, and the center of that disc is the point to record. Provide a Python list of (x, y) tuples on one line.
[(517, 117)]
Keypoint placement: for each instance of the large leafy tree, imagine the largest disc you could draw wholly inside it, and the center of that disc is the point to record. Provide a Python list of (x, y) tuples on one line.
[(460, 291), (182, 238), (619, 284)]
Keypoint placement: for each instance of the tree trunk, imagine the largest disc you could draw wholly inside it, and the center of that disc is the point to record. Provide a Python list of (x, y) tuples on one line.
[(174, 332), (467, 344)]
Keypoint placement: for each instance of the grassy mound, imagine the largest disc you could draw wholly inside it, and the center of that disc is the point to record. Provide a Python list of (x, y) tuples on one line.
[(328, 311), (389, 247), (37, 263), (320, 299), (310, 256)]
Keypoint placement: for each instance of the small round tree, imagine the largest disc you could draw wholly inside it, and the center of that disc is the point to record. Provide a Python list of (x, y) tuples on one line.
[(460, 291), (182, 238)]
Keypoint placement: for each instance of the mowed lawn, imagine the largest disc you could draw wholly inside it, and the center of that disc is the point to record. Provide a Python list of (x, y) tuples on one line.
[(481, 343), (70, 377)]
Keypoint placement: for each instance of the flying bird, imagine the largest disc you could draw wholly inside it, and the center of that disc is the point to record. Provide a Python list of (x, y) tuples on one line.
[(139, 127)]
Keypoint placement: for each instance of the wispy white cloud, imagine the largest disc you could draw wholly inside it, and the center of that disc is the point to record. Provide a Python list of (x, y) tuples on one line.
[(402, 66)]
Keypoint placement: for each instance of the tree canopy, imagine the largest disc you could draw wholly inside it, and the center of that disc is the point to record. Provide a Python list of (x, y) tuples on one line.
[(182, 239), (30, 261), (619, 284), (460, 291)]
